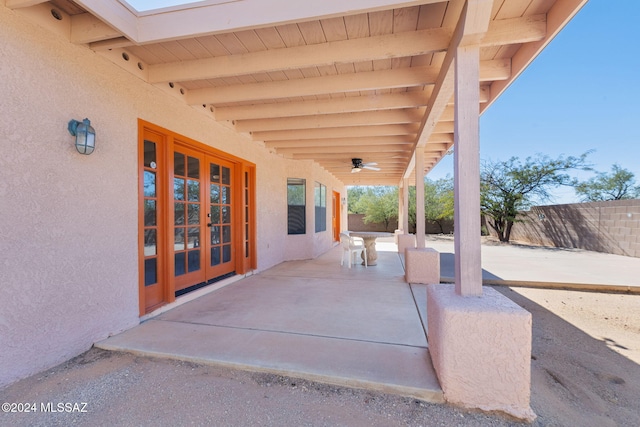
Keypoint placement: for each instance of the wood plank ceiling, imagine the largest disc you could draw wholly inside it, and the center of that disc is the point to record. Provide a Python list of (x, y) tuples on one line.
[(335, 88)]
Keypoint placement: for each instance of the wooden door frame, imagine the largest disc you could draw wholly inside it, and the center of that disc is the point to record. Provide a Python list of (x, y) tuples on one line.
[(165, 173)]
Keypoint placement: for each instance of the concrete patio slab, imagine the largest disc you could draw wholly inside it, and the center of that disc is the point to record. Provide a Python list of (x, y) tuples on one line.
[(311, 319)]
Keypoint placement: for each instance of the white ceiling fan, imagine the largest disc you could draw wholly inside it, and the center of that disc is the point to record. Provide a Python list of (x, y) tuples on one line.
[(357, 166)]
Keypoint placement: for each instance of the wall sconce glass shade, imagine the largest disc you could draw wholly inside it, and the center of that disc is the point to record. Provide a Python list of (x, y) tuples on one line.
[(85, 135)]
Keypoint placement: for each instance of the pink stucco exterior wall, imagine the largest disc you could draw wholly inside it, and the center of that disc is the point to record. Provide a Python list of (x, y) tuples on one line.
[(69, 234)]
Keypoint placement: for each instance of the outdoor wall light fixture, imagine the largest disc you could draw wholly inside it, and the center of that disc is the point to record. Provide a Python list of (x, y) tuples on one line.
[(85, 135)]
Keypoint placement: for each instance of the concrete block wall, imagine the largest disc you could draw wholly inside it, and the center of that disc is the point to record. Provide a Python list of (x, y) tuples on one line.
[(356, 223), (609, 227)]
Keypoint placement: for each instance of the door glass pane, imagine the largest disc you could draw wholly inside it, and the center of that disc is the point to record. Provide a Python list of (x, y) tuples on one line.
[(226, 253), (226, 234), (178, 236), (149, 154), (193, 188), (215, 256), (178, 188), (194, 260), (225, 215), (149, 184), (178, 213), (215, 235), (194, 213), (150, 271), (226, 176), (226, 195), (215, 173), (180, 265), (150, 242), (193, 168), (149, 213), (215, 193), (215, 214), (178, 164), (194, 238)]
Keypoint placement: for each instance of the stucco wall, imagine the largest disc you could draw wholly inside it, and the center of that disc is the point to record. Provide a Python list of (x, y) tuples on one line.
[(69, 273), (611, 227)]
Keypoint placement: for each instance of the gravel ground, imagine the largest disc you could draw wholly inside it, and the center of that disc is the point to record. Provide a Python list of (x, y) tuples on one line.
[(585, 372)]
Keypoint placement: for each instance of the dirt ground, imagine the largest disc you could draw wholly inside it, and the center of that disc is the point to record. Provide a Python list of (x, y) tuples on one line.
[(585, 372)]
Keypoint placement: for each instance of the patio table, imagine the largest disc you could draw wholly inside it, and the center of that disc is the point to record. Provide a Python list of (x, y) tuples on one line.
[(369, 238)]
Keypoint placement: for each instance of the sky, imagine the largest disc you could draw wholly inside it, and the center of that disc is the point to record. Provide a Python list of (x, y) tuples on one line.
[(581, 93)]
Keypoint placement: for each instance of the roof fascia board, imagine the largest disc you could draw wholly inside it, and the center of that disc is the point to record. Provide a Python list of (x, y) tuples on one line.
[(114, 13), (198, 20), (17, 4)]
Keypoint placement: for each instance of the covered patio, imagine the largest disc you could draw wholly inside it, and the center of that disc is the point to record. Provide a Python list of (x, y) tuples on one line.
[(312, 319), (327, 94)]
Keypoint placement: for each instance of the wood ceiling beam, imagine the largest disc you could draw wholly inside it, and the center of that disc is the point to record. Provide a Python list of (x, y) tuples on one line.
[(114, 43), (388, 46), (343, 132), (525, 29), (345, 156), (406, 44), (353, 82), (391, 148), (334, 105), (324, 106), (359, 140), (340, 161), (384, 117), (441, 137), (86, 28), (389, 181)]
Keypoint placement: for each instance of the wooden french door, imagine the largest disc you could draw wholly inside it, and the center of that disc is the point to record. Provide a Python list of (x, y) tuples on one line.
[(197, 216), (203, 217), (153, 283), (335, 218)]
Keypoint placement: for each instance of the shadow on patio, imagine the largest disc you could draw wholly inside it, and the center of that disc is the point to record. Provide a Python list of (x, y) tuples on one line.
[(309, 319)]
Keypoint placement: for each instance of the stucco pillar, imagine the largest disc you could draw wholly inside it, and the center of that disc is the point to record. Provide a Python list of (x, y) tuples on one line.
[(480, 342), (401, 211), (420, 221), (468, 269), (405, 205)]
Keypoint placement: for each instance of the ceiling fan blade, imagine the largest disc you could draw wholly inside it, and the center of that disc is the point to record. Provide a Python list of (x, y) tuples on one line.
[(355, 170), (371, 164), (373, 168)]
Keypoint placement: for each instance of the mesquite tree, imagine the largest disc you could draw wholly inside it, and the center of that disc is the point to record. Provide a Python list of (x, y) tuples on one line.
[(510, 186)]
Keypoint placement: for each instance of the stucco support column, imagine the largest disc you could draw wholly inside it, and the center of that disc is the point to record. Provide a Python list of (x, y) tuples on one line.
[(420, 220), (468, 268), (479, 341), (404, 239), (422, 265), (405, 205), (399, 229)]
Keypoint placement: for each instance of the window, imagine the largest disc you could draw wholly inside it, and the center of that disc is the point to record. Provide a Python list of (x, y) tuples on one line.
[(321, 207), (296, 195)]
